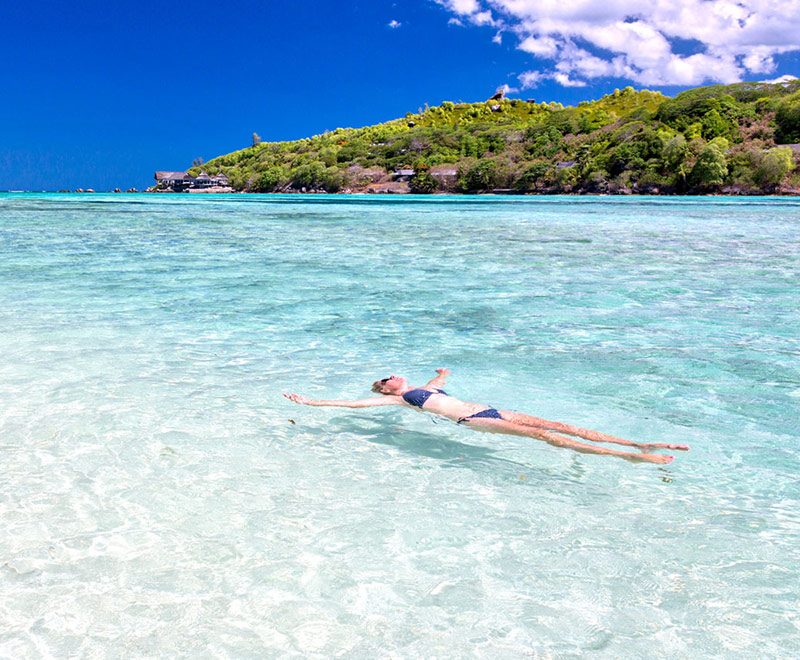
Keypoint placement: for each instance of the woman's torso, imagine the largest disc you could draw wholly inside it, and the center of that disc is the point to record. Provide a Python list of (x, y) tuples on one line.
[(439, 403)]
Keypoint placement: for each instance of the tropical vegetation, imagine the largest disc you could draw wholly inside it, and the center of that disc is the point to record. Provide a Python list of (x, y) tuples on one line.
[(740, 138)]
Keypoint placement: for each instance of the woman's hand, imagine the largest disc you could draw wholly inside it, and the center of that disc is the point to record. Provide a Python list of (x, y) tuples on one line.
[(443, 372), (297, 398)]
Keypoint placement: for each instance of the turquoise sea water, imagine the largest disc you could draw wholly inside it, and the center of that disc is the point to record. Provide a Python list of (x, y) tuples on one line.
[(156, 497)]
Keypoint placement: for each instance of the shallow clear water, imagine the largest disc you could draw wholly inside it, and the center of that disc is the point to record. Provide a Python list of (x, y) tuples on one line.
[(156, 497)]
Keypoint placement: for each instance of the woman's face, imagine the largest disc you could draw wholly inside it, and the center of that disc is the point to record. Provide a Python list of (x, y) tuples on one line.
[(394, 385)]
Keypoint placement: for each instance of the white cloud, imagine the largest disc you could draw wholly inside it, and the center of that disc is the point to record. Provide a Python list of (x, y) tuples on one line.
[(694, 70), (531, 78), (455, 21), (759, 60), (564, 80), (782, 79), (540, 46), (644, 42), (498, 38), (507, 89), (482, 18), (463, 7), (583, 63), (470, 9), (394, 24)]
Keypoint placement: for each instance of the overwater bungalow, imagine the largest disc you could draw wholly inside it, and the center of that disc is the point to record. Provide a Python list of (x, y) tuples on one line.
[(181, 181)]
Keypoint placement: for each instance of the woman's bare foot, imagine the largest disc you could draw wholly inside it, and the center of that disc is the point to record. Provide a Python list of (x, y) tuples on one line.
[(663, 445), (654, 458)]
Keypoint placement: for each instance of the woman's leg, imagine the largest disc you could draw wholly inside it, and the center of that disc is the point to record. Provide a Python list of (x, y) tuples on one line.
[(511, 428), (587, 434)]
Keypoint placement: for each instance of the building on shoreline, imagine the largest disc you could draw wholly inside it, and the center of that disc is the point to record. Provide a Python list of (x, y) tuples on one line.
[(403, 174), (181, 181)]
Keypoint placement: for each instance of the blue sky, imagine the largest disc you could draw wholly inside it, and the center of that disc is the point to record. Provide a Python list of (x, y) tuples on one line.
[(102, 94)]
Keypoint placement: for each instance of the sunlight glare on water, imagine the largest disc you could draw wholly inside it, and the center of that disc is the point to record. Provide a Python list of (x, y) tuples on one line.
[(160, 497)]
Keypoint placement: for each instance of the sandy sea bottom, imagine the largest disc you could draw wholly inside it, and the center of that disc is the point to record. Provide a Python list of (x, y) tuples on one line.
[(159, 496)]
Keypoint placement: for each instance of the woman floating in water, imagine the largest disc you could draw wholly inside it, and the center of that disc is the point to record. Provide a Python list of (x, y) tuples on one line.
[(431, 398)]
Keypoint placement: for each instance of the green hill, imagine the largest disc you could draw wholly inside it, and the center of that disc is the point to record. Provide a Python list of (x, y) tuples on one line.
[(709, 139)]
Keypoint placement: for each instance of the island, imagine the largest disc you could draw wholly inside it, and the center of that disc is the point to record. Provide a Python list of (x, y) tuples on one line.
[(720, 139)]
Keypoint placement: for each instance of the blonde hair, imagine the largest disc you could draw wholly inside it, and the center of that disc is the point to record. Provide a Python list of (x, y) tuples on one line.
[(377, 386)]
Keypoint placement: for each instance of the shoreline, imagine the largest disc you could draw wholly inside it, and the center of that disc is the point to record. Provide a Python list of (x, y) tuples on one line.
[(391, 193), (361, 193)]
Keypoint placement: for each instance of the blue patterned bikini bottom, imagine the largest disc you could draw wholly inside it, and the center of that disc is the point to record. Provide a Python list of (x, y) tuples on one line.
[(491, 413)]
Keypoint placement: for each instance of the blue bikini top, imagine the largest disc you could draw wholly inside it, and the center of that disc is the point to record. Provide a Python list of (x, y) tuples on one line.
[(419, 396)]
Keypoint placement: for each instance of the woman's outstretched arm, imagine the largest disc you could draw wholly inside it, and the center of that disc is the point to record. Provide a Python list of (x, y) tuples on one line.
[(358, 403), (440, 379)]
